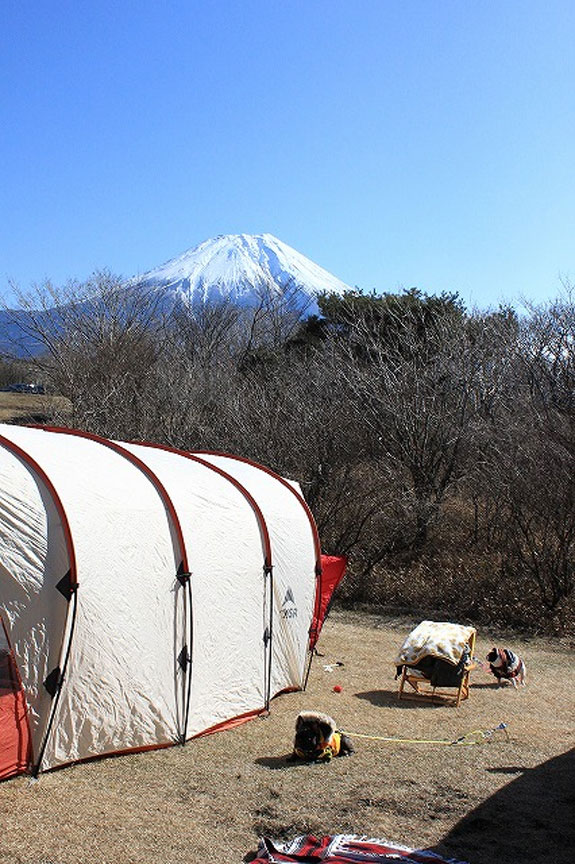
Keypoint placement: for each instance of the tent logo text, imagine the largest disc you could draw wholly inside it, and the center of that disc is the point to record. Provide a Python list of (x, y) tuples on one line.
[(288, 607)]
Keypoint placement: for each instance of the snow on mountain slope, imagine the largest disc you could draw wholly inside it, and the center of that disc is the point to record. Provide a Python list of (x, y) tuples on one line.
[(239, 267), (243, 269)]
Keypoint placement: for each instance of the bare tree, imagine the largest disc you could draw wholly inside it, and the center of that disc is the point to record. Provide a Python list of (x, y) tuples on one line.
[(417, 382), (95, 343), (540, 533)]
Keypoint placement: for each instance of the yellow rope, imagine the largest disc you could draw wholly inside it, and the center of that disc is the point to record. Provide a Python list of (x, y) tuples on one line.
[(478, 736)]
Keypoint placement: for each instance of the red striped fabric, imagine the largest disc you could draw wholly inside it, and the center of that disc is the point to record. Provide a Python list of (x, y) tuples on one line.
[(343, 849)]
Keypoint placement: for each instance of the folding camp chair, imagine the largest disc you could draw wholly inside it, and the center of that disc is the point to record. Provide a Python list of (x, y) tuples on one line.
[(435, 662)]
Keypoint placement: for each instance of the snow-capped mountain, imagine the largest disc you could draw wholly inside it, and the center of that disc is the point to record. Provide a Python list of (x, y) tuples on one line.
[(244, 269), (239, 268)]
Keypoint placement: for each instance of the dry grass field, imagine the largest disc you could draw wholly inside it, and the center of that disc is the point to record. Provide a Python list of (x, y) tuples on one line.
[(29, 407), (502, 802)]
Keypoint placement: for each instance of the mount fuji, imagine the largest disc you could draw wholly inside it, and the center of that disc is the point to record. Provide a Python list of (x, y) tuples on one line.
[(241, 268)]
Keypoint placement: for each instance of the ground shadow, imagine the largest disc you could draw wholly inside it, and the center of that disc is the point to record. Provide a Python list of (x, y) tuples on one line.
[(276, 763), (530, 820), (388, 699), (493, 685), (279, 763), (28, 419)]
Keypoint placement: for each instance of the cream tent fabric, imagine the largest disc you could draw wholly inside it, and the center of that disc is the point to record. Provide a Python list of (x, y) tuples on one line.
[(435, 639), (150, 654), (294, 553)]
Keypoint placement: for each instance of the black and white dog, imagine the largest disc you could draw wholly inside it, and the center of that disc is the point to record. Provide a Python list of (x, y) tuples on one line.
[(507, 666)]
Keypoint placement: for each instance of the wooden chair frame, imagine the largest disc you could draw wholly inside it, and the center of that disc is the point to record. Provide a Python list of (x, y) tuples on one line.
[(423, 690)]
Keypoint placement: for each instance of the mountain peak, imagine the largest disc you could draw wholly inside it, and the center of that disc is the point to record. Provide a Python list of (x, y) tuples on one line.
[(237, 267)]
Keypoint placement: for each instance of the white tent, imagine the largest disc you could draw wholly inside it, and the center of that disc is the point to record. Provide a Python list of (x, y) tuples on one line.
[(146, 595)]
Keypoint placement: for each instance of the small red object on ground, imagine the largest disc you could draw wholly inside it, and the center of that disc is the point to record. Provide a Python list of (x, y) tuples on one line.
[(337, 688)]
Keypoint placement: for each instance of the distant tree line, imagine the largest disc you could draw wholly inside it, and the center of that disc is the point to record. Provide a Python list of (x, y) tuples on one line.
[(435, 446)]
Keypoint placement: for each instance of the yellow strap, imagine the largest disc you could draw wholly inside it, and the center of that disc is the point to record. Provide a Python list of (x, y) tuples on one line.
[(335, 743), (460, 741)]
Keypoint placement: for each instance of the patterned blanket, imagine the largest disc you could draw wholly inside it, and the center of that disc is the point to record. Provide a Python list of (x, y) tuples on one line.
[(435, 639), (343, 849)]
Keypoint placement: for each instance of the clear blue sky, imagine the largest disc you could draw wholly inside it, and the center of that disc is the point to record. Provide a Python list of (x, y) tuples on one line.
[(397, 143)]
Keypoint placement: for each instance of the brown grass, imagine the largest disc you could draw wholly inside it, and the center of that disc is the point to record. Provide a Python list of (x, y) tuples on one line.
[(27, 407), (212, 799)]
